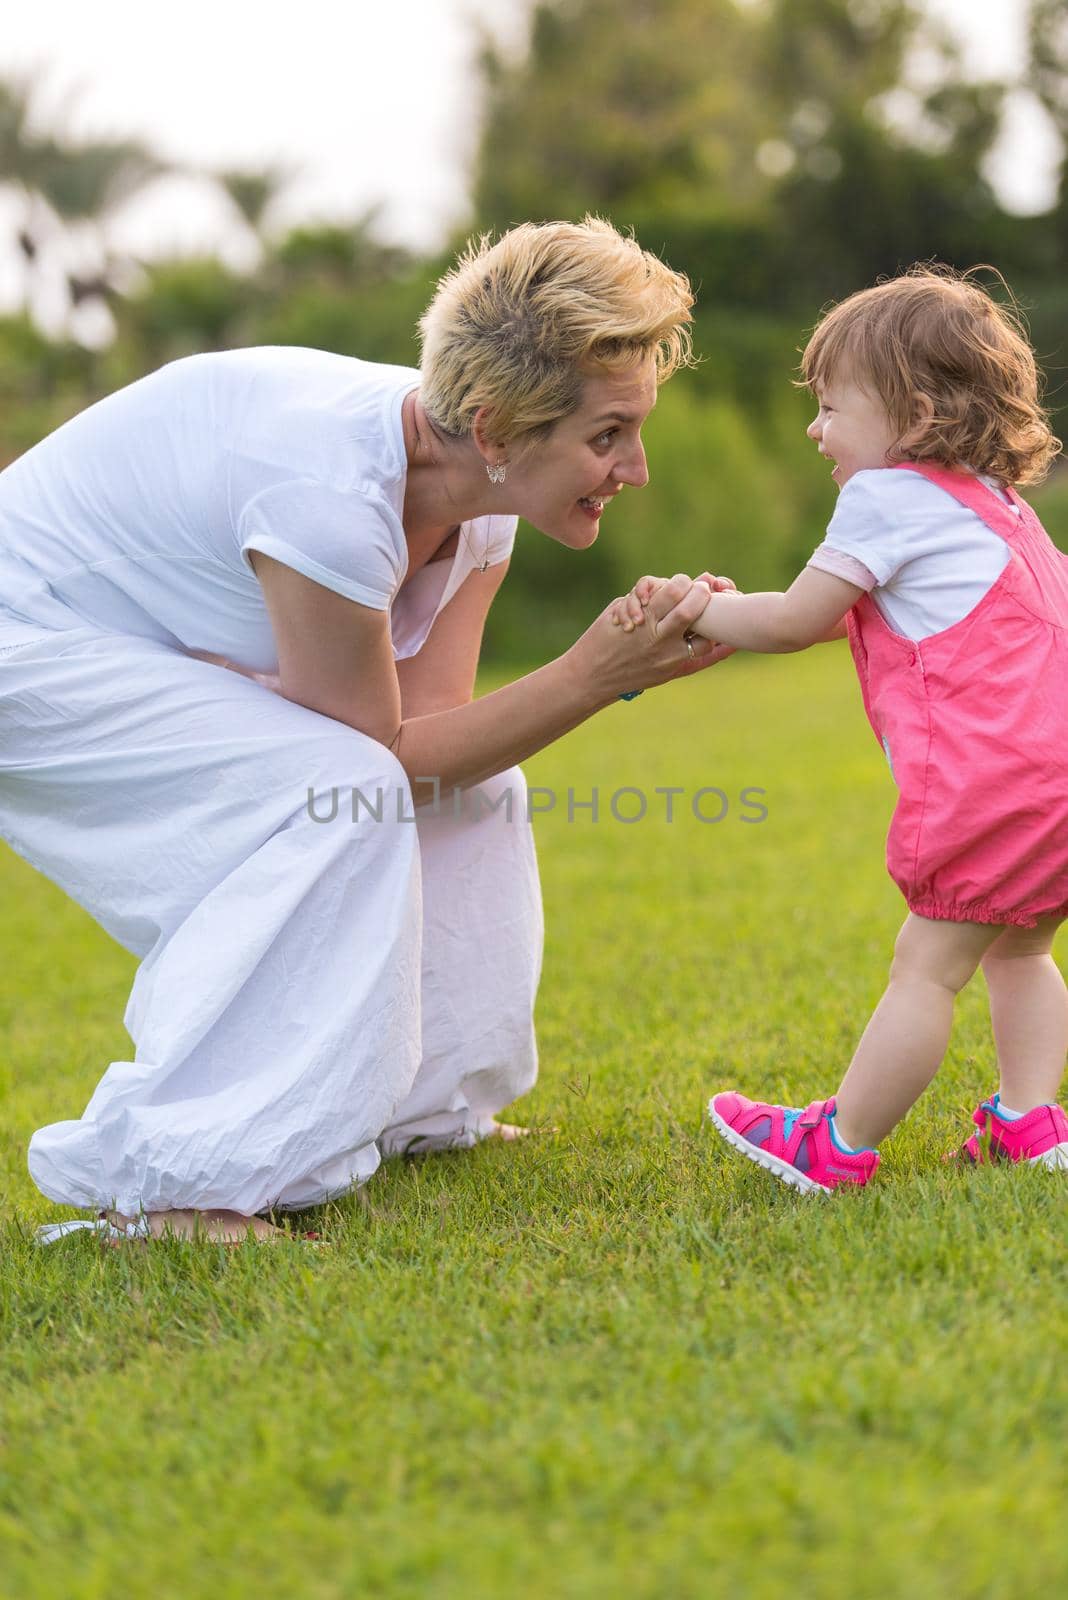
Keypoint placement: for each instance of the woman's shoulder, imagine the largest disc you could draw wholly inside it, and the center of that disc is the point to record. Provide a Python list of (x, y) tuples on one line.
[(332, 418)]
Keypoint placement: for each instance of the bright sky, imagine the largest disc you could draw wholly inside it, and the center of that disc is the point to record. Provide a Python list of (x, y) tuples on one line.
[(374, 100)]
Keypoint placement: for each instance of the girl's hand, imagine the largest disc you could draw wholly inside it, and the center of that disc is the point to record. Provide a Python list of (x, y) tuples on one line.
[(629, 611), (717, 585), (619, 660)]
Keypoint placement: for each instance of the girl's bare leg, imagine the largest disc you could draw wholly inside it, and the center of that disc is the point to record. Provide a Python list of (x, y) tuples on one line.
[(903, 1045), (1029, 1013)]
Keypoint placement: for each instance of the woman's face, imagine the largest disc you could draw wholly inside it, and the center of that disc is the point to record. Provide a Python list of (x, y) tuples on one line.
[(562, 484)]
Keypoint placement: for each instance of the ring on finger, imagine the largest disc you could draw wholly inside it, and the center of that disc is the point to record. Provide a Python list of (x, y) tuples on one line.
[(687, 640)]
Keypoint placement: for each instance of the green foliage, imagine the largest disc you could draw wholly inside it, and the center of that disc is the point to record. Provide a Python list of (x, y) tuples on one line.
[(253, 191), (782, 152), (83, 182), (620, 105), (771, 150), (182, 307), (42, 383), (614, 1360)]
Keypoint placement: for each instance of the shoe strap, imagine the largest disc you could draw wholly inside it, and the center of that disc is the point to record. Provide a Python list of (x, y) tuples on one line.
[(813, 1115)]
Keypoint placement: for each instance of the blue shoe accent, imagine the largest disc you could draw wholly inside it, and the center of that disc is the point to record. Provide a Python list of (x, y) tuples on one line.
[(994, 1105), (840, 1144), (790, 1115)]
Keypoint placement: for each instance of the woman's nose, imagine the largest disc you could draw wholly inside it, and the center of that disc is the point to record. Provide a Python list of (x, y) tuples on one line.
[(634, 469)]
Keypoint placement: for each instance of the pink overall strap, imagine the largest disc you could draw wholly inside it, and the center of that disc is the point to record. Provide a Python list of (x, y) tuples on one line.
[(969, 491)]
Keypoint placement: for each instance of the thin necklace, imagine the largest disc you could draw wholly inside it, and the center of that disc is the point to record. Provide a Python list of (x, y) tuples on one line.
[(484, 563)]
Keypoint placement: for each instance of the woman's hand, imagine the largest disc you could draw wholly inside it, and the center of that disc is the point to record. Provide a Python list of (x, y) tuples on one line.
[(268, 680), (620, 660)]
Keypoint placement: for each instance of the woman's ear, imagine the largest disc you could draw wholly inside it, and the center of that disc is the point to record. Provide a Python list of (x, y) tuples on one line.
[(490, 448)]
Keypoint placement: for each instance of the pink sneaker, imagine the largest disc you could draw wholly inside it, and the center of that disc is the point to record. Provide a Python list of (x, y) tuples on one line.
[(797, 1146), (1039, 1135)]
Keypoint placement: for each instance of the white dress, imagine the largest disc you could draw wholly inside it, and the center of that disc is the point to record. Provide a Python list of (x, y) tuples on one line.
[(323, 979)]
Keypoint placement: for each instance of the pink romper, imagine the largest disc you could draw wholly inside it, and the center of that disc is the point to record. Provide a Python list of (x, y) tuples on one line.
[(974, 723)]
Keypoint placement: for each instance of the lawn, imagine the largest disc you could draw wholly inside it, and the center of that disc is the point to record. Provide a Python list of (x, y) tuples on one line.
[(617, 1360)]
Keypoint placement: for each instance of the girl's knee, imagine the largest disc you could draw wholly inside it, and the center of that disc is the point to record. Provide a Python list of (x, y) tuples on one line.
[(1014, 943), (946, 953)]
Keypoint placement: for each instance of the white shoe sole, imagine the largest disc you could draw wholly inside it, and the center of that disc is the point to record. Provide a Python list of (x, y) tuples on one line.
[(763, 1158), (1056, 1159)]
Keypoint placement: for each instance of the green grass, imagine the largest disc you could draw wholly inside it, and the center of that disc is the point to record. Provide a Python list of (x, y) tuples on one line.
[(616, 1360)]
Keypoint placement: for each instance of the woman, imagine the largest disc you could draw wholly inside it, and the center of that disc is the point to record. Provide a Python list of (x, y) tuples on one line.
[(323, 978)]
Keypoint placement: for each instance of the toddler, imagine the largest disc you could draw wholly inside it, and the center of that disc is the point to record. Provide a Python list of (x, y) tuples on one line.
[(955, 603)]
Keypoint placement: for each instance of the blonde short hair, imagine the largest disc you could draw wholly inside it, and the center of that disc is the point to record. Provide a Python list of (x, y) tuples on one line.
[(937, 331), (517, 325)]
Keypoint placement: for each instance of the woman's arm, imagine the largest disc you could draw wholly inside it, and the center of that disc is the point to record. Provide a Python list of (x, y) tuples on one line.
[(442, 674), (335, 657)]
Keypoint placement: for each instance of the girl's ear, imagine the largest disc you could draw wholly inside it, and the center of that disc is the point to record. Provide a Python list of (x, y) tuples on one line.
[(922, 409)]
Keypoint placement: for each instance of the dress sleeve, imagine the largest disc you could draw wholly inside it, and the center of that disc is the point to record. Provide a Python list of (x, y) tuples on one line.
[(825, 558), (349, 543), (865, 528)]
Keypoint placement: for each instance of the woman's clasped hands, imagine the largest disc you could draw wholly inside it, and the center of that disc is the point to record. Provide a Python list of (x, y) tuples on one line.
[(622, 657), (668, 608)]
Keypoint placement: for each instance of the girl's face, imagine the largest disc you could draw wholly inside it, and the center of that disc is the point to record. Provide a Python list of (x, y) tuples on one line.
[(564, 482), (852, 428)]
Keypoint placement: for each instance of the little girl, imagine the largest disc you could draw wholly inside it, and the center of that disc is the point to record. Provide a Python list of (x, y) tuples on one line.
[(955, 602)]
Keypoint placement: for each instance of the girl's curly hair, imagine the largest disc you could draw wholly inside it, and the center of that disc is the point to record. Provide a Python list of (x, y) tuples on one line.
[(937, 333)]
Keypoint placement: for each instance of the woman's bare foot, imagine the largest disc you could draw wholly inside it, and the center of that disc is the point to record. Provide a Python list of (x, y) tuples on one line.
[(216, 1227), (509, 1131)]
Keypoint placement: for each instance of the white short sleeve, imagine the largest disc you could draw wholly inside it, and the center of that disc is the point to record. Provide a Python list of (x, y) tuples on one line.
[(867, 522), (348, 542), (932, 558), (825, 558)]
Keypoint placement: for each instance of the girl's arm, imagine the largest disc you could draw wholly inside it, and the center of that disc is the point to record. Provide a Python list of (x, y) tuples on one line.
[(811, 610)]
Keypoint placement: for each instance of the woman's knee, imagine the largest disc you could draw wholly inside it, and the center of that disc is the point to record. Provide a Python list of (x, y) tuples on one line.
[(340, 776)]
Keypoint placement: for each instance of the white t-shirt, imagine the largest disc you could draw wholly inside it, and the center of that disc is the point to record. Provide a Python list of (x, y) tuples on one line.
[(926, 559), (138, 515)]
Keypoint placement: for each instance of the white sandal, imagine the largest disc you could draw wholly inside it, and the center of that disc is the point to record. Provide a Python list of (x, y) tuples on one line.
[(51, 1231)]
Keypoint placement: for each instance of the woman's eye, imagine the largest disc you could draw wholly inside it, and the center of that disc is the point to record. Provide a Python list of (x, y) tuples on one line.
[(603, 440)]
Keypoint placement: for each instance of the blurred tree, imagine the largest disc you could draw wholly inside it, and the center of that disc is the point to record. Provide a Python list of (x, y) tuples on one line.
[(884, 141), (253, 192), (18, 168), (42, 383), (1049, 79), (67, 188), (776, 150), (340, 286), (83, 185), (179, 308), (1049, 60), (620, 106)]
